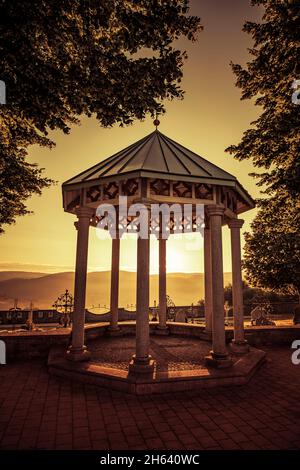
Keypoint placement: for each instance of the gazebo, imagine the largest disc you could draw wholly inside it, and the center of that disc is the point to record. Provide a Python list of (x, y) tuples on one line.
[(156, 169)]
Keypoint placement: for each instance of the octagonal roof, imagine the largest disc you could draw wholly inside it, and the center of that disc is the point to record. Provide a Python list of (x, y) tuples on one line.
[(155, 153), (158, 156)]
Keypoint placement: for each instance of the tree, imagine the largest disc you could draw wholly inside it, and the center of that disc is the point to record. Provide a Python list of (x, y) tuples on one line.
[(273, 144), (252, 294), (273, 141), (272, 250), (64, 59)]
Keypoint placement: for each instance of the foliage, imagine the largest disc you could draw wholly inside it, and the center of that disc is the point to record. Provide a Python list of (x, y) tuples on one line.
[(63, 59), (272, 257), (272, 250), (273, 141), (257, 295)]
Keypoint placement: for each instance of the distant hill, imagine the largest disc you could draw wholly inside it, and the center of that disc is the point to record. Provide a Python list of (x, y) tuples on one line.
[(5, 275), (43, 289)]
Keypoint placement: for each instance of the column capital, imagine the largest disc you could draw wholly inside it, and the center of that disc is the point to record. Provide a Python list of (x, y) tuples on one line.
[(215, 209), (236, 223), (84, 212)]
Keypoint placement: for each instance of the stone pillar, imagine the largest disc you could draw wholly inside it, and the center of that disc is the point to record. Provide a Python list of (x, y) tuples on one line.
[(239, 345), (142, 361), (162, 279), (77, 350), (219, 356), (207, 281), (114, 285)]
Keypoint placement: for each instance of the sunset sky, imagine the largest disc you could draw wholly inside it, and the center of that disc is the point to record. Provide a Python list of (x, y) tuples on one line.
[(210, 118)]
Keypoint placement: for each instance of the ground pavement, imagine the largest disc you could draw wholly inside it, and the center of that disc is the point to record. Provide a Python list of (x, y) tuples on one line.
[(42, 412)]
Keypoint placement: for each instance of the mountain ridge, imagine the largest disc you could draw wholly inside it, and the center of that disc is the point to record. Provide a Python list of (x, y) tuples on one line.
[(44, 288)]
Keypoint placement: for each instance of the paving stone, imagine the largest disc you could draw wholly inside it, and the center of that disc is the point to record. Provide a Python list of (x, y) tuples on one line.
[(42, 412)]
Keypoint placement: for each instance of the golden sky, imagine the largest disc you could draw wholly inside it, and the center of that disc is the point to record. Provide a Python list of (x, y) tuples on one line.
[(210, 118)]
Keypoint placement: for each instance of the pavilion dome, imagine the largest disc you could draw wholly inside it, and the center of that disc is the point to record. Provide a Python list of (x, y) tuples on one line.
[(155, 153), (167, 168)]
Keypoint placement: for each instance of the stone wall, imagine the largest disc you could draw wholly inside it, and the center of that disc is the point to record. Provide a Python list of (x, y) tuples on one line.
[(26, 345)]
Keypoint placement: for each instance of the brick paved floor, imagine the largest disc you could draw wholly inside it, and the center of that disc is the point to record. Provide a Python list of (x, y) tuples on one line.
[(42, 412), (170, 352)]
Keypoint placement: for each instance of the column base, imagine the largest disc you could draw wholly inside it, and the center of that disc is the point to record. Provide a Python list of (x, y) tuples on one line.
[(218, 361), (239, 347), (114, 331), (78, 354), (141, 366), (162, 330)]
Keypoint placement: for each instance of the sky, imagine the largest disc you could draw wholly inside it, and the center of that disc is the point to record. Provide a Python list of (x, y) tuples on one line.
[(210, 118)]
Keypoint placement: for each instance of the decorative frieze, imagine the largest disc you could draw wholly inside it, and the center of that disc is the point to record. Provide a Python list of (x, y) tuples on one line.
[(110, 190), (182, 189), (130, 187), (93, 194), (203, 191), (159, 187)]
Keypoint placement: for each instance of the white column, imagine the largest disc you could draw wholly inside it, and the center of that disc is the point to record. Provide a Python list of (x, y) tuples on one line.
[(162, 280), (207, 281), (238, 345), (77, 350), (219, 356), (114, 285), (141, 361)]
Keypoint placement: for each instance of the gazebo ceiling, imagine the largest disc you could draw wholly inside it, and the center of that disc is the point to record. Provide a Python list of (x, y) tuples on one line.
[(155, 166)]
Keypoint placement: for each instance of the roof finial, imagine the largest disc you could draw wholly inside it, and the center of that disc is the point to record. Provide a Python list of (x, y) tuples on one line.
[(156, 122)]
